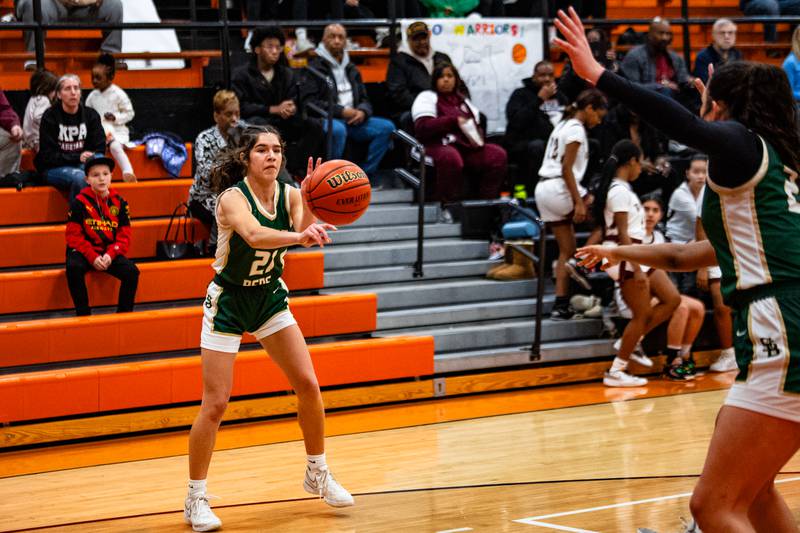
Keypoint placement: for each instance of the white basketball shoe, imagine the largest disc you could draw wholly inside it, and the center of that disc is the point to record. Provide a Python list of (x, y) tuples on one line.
[(322, 483)]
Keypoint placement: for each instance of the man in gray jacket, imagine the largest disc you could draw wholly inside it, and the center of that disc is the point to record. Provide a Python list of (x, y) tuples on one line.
[(653, 64)]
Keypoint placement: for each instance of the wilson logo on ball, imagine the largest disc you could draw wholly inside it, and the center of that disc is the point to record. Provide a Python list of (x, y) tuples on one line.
[(343, 178)]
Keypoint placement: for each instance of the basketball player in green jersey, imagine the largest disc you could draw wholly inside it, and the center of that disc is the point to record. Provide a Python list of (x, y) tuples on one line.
[(258, 218), (752, 219)]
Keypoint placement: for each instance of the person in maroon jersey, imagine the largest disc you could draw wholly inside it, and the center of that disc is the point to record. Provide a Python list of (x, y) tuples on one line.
[(98, 237)]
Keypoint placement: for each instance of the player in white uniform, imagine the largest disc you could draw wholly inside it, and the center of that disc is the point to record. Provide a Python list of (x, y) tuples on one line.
[(560, 197), (623, 218)]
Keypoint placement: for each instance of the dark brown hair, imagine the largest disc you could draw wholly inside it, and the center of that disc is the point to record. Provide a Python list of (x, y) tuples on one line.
[(232, 163)]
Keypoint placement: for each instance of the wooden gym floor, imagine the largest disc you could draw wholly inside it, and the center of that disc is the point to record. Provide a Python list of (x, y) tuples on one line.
[(570, 458)]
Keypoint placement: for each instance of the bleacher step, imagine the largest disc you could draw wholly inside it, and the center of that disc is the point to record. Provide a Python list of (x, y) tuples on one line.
[(433, 293), (391, 215), (405, 273), (466, 312), (393, 253), (520, 355), (493, 334), (392, 196), (347, 235)]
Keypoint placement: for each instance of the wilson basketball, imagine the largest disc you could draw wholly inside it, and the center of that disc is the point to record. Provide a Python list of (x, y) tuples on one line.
[(338, 192)]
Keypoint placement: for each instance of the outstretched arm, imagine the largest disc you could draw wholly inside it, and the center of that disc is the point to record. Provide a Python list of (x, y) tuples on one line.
[(671, 257)]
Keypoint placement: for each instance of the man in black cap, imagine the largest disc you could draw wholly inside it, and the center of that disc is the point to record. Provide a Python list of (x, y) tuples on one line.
[(98, 237), (410, 70)]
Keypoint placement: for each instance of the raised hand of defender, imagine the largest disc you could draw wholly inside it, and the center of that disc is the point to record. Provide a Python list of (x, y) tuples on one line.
[(316, 234), (577, 47), (312, 166), (592, 255)]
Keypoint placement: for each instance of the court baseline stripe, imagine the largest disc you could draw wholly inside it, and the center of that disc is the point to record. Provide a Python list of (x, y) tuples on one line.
[(455, 530), (560, 528), (532, 520)]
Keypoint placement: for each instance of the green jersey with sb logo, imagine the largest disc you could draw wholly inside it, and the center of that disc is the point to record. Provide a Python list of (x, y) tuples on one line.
[(755, 228), (236, 262)]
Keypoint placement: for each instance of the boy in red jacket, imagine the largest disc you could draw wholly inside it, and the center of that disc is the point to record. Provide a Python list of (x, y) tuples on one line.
[(98, 237)]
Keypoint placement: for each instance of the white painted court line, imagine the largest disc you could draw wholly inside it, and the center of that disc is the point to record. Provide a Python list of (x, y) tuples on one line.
[(455, 530), (556, 526), (534, 520)]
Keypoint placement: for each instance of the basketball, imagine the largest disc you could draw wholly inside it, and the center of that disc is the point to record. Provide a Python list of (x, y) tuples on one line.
[(338, 192)]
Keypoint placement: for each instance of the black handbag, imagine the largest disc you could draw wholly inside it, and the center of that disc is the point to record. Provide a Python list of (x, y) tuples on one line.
[(179, 249)]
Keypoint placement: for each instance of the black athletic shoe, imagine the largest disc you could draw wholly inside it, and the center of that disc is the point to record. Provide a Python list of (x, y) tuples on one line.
[(675, 373), (562, 313)]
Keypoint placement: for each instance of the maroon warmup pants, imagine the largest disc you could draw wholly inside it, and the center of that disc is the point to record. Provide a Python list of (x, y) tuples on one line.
[(486, 165)]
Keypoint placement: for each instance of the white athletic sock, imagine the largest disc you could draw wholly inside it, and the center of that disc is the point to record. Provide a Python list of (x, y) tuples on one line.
[(686, 350), (728, 351), (119, 155), (619, 365), (197, 488), (316, 462)]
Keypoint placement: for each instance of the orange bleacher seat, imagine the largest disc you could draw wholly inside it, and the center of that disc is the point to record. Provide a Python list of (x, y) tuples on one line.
[(46, 245), (67, 339), (47, 205), (46, 290), (143, 167), (56, 393)]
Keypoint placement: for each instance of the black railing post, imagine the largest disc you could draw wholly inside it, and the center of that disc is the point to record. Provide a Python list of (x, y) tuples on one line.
[(392, 27), (193, 18), (38, 33), (418, 273), (225, 43), (328, 113), (687, 45), (537, 333)]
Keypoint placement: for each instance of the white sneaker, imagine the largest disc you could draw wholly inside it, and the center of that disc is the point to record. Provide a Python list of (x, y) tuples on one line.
[(322, 483), (725, 363), (199, 515), (637, 355), (620, 378)]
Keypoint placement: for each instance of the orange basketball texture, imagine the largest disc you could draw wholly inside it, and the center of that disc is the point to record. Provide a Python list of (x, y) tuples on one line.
[(338, 192)]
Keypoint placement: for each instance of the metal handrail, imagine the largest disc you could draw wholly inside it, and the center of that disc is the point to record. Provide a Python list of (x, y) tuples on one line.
[(327, 115), (417, 183)]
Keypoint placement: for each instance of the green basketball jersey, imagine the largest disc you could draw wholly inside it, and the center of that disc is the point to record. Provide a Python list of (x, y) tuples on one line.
[(755, 228), (236, 262)]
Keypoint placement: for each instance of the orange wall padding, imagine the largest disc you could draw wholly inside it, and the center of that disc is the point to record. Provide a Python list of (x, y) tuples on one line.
[(56, 393), (67, 339), (46, 290), (143, 167), (47, 205)]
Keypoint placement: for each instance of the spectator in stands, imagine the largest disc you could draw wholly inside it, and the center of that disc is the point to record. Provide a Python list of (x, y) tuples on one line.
[(449, 8), (531, 114), (10, 137), (682, 215), (68, 135), (98, 237), (43, 92), (792, 64), (410, 70), (653, 64), (447, 123), (771, 8), (115, 110), (687, 319), (207, 147), (73, 10), (570, 84), (268, 92), (352, 111), (720, 51)]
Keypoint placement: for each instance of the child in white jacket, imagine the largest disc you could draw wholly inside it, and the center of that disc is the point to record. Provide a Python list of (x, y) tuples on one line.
[(43, 91), (115, 110)]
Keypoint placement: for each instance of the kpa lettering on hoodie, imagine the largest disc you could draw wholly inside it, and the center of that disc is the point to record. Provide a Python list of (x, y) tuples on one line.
[(71, 138)]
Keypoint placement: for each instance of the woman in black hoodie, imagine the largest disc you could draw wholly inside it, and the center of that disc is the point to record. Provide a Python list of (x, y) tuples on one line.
[(68, 135)]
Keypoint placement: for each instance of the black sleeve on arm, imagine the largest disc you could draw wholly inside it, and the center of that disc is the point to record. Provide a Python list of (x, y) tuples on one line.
[(734, 151), (50, 154)]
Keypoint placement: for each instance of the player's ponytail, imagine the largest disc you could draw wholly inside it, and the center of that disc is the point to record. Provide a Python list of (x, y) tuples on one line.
[(232, 163), (587, 98), (621, 155)]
